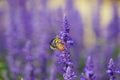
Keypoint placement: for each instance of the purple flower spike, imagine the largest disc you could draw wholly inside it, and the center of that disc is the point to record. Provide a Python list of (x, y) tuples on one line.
[(64, 56), (89, 72), (64, 35), (66, 25), (113, 28), (69, 74), (89, 68), (111, 69)]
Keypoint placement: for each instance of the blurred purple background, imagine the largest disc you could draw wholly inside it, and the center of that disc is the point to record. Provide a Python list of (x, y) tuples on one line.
[(28, 26)]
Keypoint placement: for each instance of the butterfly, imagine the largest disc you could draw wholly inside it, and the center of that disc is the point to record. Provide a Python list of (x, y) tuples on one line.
[(57, 43)]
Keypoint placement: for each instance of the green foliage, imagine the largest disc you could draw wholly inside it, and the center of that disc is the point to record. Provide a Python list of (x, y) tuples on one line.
[(3, 68), (116, 52), (82, 64)]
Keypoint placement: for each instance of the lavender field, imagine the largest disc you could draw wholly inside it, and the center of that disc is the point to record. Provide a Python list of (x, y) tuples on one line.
[(59, 39)]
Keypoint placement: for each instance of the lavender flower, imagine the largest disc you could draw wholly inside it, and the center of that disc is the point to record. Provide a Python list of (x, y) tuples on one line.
[(111, 69), (64, 56), (42, 56), (77, 32), (69, 74), (29, 67), (113, 28), (29, 72), (26, 19), (88, 72), (13, 48)]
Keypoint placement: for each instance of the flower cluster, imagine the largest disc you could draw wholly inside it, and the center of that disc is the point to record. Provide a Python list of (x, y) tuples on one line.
[(65, 56), (88, 71), (112, 70)]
